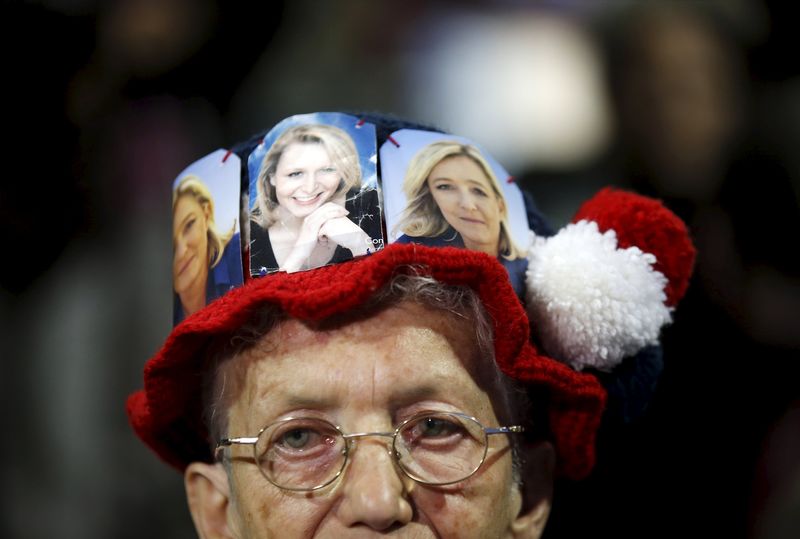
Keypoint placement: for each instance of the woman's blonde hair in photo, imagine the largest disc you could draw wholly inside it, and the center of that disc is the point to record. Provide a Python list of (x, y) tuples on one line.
[(422, 217), (193, 186), (340, 147)]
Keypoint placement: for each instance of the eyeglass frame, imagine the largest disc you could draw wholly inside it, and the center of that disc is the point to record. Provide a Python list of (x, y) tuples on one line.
[(253, 440)]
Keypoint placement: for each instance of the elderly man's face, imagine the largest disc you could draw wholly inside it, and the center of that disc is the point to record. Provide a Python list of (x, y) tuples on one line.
[(366, 376)]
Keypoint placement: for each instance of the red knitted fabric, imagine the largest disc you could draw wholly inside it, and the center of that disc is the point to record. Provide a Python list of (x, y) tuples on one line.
[(647, 224), (167, 414)]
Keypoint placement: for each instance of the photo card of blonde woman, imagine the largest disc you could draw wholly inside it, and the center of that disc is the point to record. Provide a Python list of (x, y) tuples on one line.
[(207, 251), (446, 191), (314, 197)]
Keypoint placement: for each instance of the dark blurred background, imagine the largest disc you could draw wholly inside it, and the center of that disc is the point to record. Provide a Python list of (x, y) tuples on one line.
[(697, 103)]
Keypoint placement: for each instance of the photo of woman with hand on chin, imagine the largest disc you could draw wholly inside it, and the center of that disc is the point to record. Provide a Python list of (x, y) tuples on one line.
[(309, 202)]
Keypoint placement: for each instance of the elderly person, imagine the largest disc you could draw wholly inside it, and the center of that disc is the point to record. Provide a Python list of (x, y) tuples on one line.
[(309, 201), (454, 199), (382, 402), (203, 267), (396, 394)]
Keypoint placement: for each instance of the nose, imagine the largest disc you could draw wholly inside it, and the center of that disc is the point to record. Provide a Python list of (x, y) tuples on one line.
[(374, 494), (309, 182), (180, 249), (466, 200)]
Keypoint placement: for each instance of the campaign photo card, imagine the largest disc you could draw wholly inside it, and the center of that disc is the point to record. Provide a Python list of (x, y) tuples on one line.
[(314, 197), (207, 252), (446, 191)]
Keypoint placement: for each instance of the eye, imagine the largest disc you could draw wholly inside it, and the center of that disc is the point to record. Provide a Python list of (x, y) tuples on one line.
[(433, 429), (328, 170), (301, 453), (297, 438), (435, 426), (479, 192), (303, 437), (189, 224), (443, 187)]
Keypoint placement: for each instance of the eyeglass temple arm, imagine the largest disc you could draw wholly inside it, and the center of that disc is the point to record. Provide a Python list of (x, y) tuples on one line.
[(514, 429), (230, 441), (227, 442)]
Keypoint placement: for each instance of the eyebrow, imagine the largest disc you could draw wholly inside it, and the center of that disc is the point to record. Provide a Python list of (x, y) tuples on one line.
[(183, 221), (302, 401), (414, 394), (274, 409), (468, 180)]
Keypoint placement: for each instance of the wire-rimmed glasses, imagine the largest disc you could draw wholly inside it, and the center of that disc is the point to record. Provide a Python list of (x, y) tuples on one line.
[(309, 453)]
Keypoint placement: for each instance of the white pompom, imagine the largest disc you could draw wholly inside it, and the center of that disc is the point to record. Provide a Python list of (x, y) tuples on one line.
[(590, 303)]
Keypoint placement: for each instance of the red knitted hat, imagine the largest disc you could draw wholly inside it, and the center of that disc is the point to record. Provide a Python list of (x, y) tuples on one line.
[(597, 293), (167, 413)]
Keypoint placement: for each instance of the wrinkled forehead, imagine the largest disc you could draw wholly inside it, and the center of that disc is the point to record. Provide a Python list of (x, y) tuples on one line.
[(401, 331), (402, 352)]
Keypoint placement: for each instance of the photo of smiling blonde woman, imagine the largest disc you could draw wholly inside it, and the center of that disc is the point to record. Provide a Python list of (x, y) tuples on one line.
[(308, 202), (454, 200)]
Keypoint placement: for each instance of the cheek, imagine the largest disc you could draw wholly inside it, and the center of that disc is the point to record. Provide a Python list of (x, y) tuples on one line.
[(492, 209), (178, 247), (486, 204), (198, 239), (264, 511), (283, 188), (484, 506), (330, 182), (465, 514), (444, 200)]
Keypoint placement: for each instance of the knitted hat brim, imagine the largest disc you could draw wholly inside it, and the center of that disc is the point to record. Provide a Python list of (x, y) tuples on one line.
[(167, 413)]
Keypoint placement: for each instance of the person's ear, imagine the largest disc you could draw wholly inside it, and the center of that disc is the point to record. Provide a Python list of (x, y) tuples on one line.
[(537, 490), (272, 180), (208, 495), (501, 204)]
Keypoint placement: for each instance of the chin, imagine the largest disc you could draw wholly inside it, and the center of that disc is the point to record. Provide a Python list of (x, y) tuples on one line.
[(475, 238), (185, 282), (303, 212)]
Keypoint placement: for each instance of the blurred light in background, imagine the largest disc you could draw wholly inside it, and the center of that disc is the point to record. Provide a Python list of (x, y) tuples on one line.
[(151, 37), (527, 85)]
